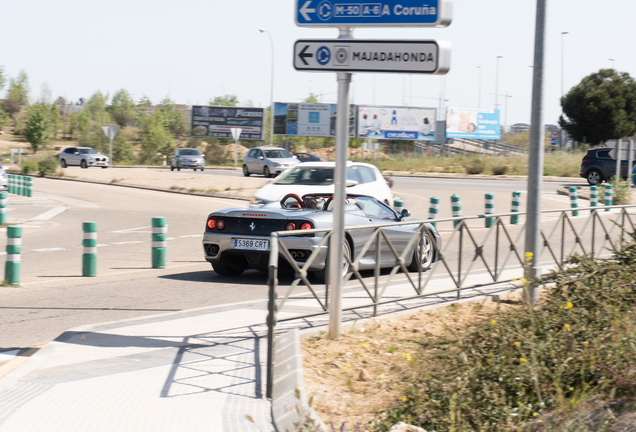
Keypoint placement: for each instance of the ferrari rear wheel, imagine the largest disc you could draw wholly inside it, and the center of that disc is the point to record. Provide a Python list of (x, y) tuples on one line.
[(224, 270), (321, 275), (423, 254)]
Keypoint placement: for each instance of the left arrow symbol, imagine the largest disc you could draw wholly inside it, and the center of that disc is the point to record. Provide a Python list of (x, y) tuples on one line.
[(303, 55), (304, 11)]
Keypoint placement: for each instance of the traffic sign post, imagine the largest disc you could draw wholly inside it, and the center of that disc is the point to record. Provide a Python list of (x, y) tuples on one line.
[(111, 132), (382, 13), (344, 56), (236, 134), (389, 56)]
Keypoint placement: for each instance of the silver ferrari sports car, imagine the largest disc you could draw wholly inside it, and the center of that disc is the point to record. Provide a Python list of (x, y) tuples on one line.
[(237, 239)]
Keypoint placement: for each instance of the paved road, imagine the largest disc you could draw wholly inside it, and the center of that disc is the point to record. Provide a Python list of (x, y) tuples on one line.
[(53, 295)]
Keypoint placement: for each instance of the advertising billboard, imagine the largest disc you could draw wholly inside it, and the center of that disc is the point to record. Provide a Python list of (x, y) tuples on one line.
[(403, 123), (217, 121), (475, 123), (309, 119)]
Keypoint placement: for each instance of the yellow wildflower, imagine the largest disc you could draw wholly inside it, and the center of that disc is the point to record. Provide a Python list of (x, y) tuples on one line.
[(493, 322), (571, 388), (404, 399), (535, 414), (567, 326), (569, 304), (517, 343), (521, 359), (528, 254)]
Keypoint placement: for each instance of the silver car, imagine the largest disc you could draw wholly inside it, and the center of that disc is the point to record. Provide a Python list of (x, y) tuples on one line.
[(237, 239), (268, 161), (187, 158), (84, 157)]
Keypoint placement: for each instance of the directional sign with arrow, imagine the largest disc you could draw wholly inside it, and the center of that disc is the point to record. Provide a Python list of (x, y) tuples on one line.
[(358, 55), (382, 13)]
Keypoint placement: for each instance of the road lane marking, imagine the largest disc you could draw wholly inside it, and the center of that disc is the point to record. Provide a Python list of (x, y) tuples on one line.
[(127, 242), (191, 235), (132, 230), (50, 214), (53, 249)]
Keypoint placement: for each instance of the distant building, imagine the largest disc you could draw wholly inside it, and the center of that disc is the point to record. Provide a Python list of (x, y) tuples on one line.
[(519, 128), (151, 109)]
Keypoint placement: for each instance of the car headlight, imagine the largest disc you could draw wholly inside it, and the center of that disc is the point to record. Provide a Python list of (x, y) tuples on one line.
[(276, 164)]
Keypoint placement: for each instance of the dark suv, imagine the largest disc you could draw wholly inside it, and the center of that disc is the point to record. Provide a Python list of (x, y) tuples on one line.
[(597, 166)]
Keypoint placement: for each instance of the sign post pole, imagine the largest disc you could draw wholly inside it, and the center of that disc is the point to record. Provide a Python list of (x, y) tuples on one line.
[(111, 132), (336, 249), (236, 134)]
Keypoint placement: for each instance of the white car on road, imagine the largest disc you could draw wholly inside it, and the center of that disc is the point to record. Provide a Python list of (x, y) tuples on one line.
[(318, 177)]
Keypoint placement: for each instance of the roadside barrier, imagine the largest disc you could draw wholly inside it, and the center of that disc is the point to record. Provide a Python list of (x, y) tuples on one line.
[(89, 259), (28, 192), (19, 186), (490, 207), (398, 205), (608, 196), (11, 183), (593, 197), (433, 209), (14, 248), (516, 198), (574, 197), (457, 208), (159, 231), (3, 207)]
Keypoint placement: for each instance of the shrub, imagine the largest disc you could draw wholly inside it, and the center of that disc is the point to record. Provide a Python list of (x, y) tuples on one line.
[(48, 165), (511, 365), (621, 191), (500, 169), (28, 166), (474, 166)]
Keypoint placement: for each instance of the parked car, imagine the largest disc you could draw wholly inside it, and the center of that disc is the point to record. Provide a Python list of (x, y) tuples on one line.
[(318, 177), (308, 157), (4, 179), (187, 158), (267, 161), (84, 157), (598, 166), (236, 239)]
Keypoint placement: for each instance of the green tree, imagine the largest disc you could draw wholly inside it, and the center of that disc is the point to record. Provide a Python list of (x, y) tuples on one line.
[(123, 108), (5, 118), (175, 120), (312, 98), (37, 127), (18, 91), (601, 107), (225, 100), (155, 139), (3, 78)]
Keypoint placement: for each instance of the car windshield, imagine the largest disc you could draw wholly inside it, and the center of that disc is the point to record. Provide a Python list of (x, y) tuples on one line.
[(87, 151), (306, 176), (189, 152), (277, 154)]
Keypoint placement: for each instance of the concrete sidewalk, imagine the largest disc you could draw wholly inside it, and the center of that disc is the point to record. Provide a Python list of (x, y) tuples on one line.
[(195, 370)]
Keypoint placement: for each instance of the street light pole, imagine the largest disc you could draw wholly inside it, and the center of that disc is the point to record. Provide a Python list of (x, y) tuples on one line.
[(479, 88), (562, 68), (271, 95), (497, 83), (612, 60)]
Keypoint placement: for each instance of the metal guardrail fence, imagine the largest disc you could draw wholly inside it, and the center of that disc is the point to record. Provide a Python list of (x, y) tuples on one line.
[(459, 258)]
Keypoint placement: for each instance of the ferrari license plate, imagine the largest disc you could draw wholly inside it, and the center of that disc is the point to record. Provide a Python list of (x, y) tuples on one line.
[(251, 244)]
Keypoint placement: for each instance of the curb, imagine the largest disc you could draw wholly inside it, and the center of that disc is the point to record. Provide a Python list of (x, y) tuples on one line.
[(475, 176), (153, 188)]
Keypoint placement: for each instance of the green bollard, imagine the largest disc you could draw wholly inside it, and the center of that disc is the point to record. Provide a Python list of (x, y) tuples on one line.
[(433, 209), (608, 196), (457, 208), (398, 205), (20, 185), (10, 183), (593, 197), (29, 187), (3, 207), (89, 259), (516, 197), (490, 207), (159, 231), (574, 197), (14, 247)]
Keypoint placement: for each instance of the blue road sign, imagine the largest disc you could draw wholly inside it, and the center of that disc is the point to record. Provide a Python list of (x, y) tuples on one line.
[(553, 141), (382, 13)]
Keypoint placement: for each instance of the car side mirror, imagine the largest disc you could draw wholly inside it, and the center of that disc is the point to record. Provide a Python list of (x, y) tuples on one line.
[(295, 157), (404, 213), (260, 157)]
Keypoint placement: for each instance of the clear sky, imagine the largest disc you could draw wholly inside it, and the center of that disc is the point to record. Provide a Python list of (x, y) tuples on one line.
[(193, 50)]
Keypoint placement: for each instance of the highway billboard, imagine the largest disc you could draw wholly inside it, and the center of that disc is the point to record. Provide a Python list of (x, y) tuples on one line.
[(472, 123), (217, 121), (309, 119), (404, 123)]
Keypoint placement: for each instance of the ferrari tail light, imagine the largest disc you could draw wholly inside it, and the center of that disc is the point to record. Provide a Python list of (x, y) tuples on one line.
[(211, 223), (290, 226), (220, 224), (306, 226)]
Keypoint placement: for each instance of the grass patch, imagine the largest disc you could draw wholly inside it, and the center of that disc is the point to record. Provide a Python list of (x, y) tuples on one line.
[(507, 368)]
